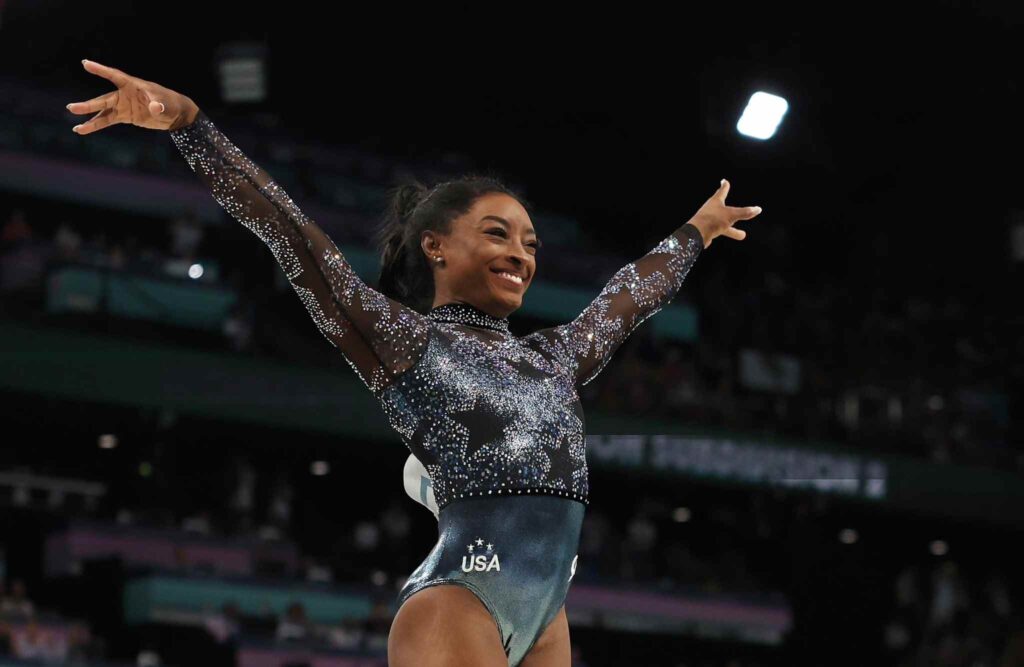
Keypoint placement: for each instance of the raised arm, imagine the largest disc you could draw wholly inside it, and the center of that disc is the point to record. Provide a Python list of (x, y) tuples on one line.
[(636, 291), (379, 337)]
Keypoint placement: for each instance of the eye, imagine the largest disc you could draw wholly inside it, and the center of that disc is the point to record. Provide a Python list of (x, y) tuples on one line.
[(501, 232)]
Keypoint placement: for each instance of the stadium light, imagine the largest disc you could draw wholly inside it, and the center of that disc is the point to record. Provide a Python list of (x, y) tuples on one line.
[(762, 115)]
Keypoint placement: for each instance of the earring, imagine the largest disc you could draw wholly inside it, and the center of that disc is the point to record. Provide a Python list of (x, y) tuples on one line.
[(438, 259)]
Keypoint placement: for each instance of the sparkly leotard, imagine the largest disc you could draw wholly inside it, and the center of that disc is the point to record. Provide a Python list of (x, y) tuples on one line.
[(494, 418)]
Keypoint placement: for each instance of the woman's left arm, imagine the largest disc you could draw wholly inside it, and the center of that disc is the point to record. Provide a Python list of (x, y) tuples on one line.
[(639, 290)]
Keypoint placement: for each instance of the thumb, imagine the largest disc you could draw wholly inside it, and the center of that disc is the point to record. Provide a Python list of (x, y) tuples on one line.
[(156, 108)]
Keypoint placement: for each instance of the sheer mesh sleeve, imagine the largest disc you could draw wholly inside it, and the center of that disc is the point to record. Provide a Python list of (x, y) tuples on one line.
[(379, 337), (636, 291)]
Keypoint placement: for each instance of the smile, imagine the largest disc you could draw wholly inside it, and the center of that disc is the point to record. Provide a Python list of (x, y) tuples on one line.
[(516, 280)]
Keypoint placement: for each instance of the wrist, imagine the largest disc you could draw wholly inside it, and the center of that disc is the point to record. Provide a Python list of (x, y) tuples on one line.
[(702, 229), (188, 115)]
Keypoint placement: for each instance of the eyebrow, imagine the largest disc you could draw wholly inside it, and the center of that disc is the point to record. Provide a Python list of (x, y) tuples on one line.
[(506, 222)]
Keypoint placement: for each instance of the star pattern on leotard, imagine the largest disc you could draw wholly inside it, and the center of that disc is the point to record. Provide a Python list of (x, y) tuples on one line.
[(487, 413)]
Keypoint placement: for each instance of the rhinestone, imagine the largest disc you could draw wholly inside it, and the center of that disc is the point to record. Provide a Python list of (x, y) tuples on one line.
[(433, 407)]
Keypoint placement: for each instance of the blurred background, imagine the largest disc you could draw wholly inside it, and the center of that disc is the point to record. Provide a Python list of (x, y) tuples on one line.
[(811, 456)]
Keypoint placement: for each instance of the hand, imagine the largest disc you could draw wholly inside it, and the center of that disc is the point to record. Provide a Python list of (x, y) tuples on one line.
[(136, 101), (716, 219)]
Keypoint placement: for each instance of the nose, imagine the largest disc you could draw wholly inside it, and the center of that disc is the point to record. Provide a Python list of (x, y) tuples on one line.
[(518, 260), (518, 254)]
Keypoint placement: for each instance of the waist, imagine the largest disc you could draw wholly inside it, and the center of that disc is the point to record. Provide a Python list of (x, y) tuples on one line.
[(541, 529)]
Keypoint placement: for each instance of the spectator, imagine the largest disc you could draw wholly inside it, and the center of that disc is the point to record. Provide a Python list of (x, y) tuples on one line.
[(281, 504), (243, 498), (83, 647), (396, 524), (238, 328), (22, 259), (16, 230), (637, 557), (223, 625), (577, 656), (67, 242), (34, 643), (17, 603), (293, 626), (377, 626), (349, 634), (186, 235)]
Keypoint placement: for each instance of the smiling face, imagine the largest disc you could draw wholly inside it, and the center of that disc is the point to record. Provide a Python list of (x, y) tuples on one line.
[(495, 236)]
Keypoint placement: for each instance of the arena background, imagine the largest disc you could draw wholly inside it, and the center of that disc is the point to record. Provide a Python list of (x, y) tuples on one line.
[(811, 457)]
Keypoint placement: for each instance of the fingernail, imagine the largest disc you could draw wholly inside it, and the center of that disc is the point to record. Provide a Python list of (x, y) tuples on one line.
[(721, 182), (75, 128), (69, 107), (84, 61)]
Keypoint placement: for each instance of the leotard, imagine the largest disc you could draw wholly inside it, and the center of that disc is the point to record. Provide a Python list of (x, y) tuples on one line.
[(494, 419)]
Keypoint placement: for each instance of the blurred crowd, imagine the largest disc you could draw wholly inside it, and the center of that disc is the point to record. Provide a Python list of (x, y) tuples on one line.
[(52, 640), (937, 612), (892, 373), (924, 373), (945, 617)]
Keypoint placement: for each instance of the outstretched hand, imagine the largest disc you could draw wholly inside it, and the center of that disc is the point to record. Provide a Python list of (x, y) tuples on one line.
[(715, 219), (136, 101)]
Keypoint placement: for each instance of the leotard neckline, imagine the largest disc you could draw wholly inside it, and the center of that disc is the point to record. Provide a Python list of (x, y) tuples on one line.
[(464, 313)]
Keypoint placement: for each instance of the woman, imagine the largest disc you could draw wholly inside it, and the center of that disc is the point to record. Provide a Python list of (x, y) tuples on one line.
[(494, 419)]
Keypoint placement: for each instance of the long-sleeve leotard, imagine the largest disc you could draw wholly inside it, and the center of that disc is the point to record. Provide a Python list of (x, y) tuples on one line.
[(379, 337), (636, 292), (485, 412)]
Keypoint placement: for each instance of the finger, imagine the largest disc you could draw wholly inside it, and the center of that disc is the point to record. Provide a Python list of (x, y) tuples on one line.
[(733, 233), (723, 190), (106, 101), (115, 76), (101, 120), (744, 212)]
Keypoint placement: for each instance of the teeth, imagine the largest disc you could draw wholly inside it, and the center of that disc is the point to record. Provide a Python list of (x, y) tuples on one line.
[(509, 275)]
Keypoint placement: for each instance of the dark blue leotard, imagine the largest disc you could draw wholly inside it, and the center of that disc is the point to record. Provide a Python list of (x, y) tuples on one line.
[(494, 418)]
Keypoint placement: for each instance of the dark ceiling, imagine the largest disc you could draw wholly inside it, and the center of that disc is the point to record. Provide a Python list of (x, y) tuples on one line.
[(902, 127)]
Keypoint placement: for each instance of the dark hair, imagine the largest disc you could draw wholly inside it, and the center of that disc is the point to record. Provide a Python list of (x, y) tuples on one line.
[(405, 273)]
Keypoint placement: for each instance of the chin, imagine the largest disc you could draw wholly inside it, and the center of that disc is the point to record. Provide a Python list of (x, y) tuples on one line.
[(511, 301)]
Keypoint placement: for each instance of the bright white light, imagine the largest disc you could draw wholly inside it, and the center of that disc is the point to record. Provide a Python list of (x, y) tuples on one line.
[(108, 441), (319, 468), (762, 115), (848, 536), (681, 514), (938, 548), (195, 272)]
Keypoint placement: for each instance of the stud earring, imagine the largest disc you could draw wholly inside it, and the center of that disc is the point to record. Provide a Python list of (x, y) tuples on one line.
[(438, 259)]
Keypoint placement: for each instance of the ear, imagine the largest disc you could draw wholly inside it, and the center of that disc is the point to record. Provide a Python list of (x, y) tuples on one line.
[(430, 242)]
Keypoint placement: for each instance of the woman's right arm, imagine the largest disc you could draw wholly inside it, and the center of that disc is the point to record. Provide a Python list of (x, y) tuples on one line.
[(378, 336)]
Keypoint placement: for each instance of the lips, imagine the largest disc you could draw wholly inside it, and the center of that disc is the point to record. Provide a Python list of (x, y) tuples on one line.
[(509, 281)]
